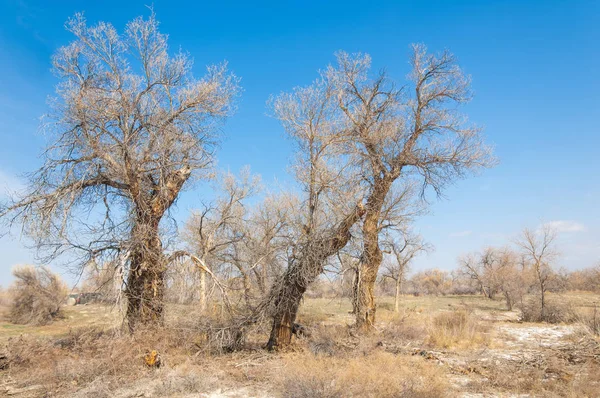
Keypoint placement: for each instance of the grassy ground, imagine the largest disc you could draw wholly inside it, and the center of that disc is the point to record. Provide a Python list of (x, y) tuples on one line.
[(462, 346)]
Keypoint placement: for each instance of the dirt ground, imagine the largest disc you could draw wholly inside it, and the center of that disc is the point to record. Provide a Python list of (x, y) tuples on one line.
[(455, 346)]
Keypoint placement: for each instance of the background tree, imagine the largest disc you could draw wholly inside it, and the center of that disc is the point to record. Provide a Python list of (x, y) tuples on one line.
[(124, 144), (539, 251), (37, 295), (403, 250), (214, 232), (400, 133)]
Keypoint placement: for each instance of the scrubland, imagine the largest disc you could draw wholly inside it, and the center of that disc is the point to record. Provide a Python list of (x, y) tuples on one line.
[(446, 346)]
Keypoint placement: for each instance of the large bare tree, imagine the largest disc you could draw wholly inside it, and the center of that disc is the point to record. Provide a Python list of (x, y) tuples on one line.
[(331, 201), (397, 133), (129, 128)]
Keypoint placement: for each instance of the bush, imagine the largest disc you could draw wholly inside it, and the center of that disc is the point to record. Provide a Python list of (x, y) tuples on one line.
[(37, 296), (531, 311)]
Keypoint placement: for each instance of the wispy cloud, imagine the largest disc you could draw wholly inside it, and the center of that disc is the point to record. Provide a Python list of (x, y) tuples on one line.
[(460, 234), (9, 183), (564, 226)]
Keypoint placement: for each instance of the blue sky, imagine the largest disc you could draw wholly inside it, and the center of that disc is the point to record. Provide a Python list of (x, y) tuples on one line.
[(535, 72)]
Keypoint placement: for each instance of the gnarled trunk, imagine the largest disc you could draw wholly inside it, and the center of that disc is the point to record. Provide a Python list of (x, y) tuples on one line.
[(286, 294), (371, 257), (287, 301), (145, 282)]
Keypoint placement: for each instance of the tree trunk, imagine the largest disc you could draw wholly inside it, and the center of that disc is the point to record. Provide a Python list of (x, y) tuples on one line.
[(287, 302), (202, 292), (145, 282), (287, 293), (543, 297), (371, 257), (398, 292), (355, 286)]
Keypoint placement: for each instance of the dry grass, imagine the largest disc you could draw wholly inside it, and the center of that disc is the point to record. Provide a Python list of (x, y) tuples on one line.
[(459, 329), (379, 374), (85, 355)]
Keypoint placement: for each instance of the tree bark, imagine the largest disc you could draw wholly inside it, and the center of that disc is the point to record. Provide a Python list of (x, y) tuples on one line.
[(287, 294), (371, 256), (145, 282), (398, 292), (202, 293)]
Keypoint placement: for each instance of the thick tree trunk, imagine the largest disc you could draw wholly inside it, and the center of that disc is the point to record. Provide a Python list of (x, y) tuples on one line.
[(371, 257), (287, 302), (145, 282), (287, 293)]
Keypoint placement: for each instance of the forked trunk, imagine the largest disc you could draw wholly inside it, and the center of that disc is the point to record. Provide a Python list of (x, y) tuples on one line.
[(286, 304)]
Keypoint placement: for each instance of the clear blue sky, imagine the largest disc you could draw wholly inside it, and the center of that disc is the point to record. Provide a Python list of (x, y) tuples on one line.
[(535, 70)]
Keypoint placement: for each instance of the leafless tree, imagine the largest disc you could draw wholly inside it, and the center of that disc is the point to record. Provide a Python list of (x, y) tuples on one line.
[(128, 130), (332, 201), (432, 281), (403, 132), (539, 251), (215, 231), (403, 251)]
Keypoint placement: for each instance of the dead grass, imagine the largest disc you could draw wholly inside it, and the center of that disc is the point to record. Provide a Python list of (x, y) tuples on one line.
[(380, 374), (458, 329), (418, 352)]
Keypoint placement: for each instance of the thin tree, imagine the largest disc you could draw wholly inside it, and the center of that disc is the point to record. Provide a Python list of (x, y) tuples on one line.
[(403, 251), (128, 130), (538, 249)]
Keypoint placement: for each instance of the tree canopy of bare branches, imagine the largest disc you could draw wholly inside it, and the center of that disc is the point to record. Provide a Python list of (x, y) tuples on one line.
[(129, 127), (411, 132)]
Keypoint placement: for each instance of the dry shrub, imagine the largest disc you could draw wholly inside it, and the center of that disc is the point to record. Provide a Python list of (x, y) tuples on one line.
[(590, 321), (554, 312), (379, 374), (37, 296), (544, 376), (90, 355), (457, 328)]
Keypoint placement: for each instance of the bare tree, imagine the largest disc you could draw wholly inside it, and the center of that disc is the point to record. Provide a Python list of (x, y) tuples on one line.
[(538, 249), (432, 281), (214, 234), (124, 144), (403, 250), (332, 202), (394, 134)]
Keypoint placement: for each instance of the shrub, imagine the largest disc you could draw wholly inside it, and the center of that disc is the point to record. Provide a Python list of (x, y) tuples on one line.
[(590, 321), (554, 312), (37, 296)]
